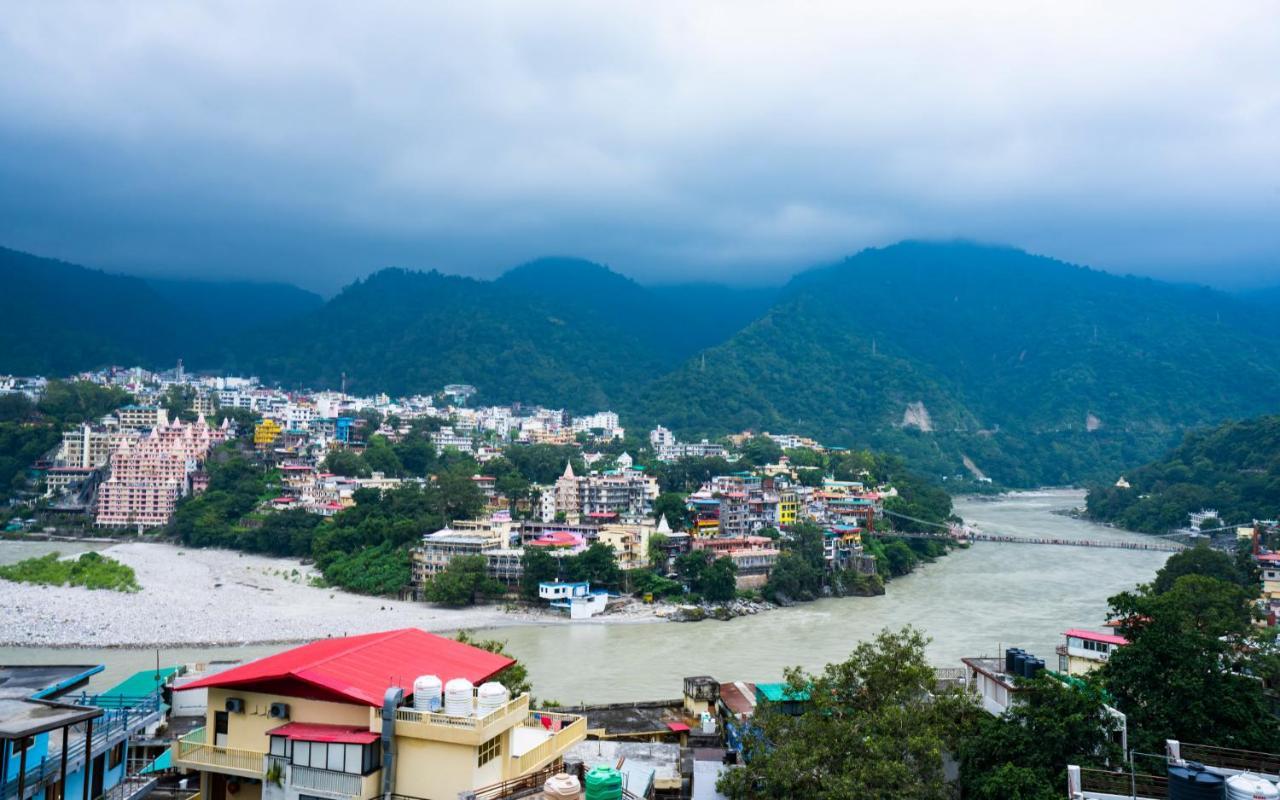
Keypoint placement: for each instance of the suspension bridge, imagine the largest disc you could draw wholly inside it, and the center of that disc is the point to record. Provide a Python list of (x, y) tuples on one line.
[(955, 533)]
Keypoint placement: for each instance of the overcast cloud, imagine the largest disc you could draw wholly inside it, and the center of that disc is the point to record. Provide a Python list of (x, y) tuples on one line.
[(315, 142)]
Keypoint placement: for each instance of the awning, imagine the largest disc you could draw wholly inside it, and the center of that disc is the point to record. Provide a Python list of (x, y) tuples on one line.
[(316, 732)]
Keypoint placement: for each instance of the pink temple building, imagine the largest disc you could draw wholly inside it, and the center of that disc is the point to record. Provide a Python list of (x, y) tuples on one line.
[(149, 476)]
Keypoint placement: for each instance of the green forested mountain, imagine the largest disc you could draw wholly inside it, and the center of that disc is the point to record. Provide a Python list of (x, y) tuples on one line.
[(58, 318), (675, 320), (1036, 370), (969, 360), (400, 331), (1233, 468)]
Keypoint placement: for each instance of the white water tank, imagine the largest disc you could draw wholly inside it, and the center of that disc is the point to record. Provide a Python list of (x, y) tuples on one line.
[(562, 785), (1247, 786), (427, 693), (490, 697), (457, 698)]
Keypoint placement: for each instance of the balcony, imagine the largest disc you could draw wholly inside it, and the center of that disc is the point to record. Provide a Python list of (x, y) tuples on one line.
[(472, 730), (534, 745), (329, 783), (193, 752)]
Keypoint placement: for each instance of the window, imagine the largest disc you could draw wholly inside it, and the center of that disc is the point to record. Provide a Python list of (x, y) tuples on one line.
[(489, 751), (117, 755), (18, 745), (336, 753), (353, 759), (319, 755), (301, 753), (280, 746)]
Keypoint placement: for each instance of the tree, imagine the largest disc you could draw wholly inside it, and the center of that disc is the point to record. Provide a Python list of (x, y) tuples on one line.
[(671, 505), (1024, 753), (597, 564), (459, 496), (538, 566), (514, 677), (1198, 560), (719, 582), (178, 402), (1188, 670), (792, 578), (761, 450), (379, 456), (346, 463), (464, 580), (875, 725)]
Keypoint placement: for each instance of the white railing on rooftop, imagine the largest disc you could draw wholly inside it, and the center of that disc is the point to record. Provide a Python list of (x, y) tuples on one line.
[(443, 720)]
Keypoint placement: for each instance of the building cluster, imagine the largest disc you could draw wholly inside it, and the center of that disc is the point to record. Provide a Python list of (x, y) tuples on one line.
[(146, 478)]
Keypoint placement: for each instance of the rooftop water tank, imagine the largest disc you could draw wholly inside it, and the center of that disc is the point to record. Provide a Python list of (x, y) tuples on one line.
[(1009, 653), (490, 697), (604, 783), (1032, 667), (458, 698), (562, 785), (1192, 782), (1019, 663), (1247, 786), (427, 691)]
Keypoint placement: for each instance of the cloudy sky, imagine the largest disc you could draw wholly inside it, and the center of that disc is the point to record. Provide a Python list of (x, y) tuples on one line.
[(737, 141)]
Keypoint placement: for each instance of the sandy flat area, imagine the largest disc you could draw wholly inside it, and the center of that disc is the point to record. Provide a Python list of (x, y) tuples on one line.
[(221, 597)]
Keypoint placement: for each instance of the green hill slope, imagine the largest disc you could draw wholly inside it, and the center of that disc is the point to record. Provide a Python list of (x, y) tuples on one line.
[(1233, 468), (1038, 371)]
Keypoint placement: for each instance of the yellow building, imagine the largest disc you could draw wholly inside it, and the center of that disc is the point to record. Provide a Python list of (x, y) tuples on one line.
[(788, 508), (337, 719), (1084, 651), (630, 544), (266, 432)]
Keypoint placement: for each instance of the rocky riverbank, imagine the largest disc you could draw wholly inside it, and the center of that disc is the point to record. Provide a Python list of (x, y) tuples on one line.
[(719, 611)]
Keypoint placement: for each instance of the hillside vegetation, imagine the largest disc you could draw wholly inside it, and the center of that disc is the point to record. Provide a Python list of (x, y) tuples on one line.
[(971, 361), (1233, 468)]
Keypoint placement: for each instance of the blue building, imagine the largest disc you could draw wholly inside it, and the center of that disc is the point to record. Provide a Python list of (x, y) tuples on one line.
[(55, 745)]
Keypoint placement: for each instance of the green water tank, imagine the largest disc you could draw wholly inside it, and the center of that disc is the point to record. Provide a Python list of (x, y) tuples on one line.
[(604, 783)]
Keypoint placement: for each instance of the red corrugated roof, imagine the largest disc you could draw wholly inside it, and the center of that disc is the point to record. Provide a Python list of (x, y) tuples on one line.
[(678, 727), (1107, 638), (359, 669), (316, 732)]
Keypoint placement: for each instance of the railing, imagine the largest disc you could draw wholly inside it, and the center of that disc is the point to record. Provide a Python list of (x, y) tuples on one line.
[(122, 716), (1124, 784), (193, 749), (326, 781), (516, 786), (1229, 758), (573, 729), (440, 719)]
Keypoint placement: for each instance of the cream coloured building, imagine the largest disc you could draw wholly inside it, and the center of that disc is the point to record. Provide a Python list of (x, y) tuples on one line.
[(338, 719)]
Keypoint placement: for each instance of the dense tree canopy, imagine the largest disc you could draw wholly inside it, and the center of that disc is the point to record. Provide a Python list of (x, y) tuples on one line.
[(875, 725), (1233, 468)]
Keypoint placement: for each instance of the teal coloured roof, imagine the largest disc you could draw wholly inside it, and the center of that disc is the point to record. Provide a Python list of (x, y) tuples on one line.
[(148, 681), (162, 762), (779, 692)]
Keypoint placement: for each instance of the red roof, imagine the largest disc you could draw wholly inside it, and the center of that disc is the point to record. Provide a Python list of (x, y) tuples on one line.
[(1269, 557), (1106, 638), (359, 669), (316, 732), (678, 727)]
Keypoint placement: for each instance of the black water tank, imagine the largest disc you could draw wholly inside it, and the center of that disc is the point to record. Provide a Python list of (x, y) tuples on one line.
[(1019, 663), (1032, 667), (1192, 782), (1009, 653)]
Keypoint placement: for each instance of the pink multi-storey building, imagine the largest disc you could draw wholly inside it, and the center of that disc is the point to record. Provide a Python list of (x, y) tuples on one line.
[(150, 475)]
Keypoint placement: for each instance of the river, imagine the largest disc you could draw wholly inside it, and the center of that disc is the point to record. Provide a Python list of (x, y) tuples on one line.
[(972, 602)]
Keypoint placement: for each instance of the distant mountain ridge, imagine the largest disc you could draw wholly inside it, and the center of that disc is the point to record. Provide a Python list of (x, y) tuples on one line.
[(1032, 370), (57, 318)]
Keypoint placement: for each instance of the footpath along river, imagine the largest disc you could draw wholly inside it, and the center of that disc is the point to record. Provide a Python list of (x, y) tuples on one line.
[(971, 602)]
